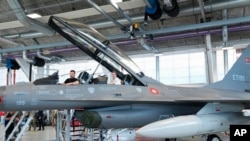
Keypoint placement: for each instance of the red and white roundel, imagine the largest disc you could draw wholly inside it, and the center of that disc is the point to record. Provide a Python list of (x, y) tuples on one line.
[(153, 91), (247, 60)]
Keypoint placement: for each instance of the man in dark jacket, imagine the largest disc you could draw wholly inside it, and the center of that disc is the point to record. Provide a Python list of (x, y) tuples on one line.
[(11, 127), (71, 80), (40, 117)]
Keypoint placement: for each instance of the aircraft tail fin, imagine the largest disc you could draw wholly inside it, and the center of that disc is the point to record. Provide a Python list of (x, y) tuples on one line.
[(238, 77)]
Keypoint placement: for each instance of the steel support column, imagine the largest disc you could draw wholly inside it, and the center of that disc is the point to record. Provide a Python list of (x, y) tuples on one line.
[(225, 41), (211, 61), (157, 67), (1, 58), (25, 67), (67, 130)]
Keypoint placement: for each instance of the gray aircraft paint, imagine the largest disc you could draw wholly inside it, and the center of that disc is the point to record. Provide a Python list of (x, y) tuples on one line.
[(140, 91)]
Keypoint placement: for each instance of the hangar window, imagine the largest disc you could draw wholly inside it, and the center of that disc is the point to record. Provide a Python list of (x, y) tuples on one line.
[(183, 68)]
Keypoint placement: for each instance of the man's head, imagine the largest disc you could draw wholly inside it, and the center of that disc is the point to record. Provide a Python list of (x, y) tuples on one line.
[(72, 73), (114, 74)]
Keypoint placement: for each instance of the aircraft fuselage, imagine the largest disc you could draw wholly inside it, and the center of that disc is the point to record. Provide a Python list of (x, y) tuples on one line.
[(28, 96)]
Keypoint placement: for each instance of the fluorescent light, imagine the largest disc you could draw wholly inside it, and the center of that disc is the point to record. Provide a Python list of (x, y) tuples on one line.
[(158, 54), (34, 15), (227, 48), (114, 2)]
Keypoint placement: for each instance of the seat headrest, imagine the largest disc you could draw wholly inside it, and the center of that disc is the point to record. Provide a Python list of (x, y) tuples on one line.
[(51, 79), (83, 76)]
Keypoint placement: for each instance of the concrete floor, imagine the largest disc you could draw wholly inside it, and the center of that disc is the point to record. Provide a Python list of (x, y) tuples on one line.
[(49, 134)]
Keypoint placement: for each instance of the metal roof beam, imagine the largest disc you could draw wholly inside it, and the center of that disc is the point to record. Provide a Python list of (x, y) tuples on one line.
[(213, 5), (160, 31)]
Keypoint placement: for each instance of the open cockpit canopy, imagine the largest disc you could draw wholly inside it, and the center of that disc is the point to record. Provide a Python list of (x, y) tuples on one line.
[(99, 48)]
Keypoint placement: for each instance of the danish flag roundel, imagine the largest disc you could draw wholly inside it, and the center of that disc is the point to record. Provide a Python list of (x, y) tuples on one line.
[(247, 60), (153, 91)]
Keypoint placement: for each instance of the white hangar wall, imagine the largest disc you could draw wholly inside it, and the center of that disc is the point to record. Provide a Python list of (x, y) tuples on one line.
[(176, 67)]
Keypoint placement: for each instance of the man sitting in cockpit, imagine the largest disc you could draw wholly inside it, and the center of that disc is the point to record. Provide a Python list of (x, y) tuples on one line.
[(72, 80), (114, 79)]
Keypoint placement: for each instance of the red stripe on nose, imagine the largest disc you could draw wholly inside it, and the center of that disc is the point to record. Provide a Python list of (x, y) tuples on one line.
[(1, 99)]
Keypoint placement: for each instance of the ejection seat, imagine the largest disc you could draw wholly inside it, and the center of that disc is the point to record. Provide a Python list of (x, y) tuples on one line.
[(50, 80), (84, 76), (100, 80)]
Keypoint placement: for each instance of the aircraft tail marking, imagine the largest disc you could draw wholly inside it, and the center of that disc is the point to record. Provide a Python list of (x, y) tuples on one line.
[(238, 77)]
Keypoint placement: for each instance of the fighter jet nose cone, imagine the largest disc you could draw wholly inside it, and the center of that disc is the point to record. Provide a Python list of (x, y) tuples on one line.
[(2, 90), (1, 99)]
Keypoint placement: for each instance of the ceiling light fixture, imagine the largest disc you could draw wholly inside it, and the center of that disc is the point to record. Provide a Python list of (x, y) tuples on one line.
[(227, 48), (114, 2), (34, 15)]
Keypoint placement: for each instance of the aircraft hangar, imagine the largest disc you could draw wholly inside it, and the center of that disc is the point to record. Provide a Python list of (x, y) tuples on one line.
[(176, 42)]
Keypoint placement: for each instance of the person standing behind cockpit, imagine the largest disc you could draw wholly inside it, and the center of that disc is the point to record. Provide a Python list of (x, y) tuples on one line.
[(114, 79)]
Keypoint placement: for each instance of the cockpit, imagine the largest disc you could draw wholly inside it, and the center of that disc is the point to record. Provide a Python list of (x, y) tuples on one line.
[(84, 77), (100, 49)]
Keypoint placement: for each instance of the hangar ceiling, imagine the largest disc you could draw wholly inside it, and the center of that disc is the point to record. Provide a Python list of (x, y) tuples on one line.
[(196, 19)]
